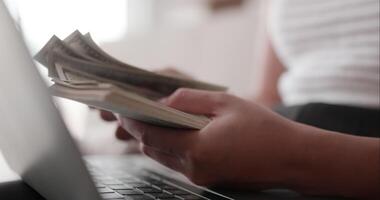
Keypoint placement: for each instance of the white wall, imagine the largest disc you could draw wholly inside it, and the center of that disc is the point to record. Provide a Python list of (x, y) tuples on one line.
[(216, 47)]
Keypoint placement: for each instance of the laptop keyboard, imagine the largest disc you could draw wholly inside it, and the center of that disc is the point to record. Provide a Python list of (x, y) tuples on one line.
[(139, 187)]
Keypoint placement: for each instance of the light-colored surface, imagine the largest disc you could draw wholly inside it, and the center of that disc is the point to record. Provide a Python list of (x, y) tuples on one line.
[(219, 48)]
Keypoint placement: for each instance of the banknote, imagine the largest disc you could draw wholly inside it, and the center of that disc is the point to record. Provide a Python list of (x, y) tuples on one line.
[(83, 72), (57, 51), (86, 46)]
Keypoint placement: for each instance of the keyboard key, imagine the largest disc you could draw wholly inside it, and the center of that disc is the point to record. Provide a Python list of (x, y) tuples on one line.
[(163, 195), (129, 192), (111, 182), (171, 198), (117, 199), (105, 190), (178, 192), (141, 187), (151, 180), (127, 179), (167, 187), (139, 184), (138, 197), (190, 197), (111, 196), (149, 190), (120, 187), (158, 183)]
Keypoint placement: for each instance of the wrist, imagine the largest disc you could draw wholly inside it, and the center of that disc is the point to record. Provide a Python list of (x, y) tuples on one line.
[(287, 156), (294, 162), (311, 159), (330, 163)]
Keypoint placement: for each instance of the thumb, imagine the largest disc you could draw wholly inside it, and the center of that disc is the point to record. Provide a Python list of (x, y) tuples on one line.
[(197, 101)]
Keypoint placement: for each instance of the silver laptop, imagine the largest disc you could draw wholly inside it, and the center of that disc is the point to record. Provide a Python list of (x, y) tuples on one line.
[(38, 146)]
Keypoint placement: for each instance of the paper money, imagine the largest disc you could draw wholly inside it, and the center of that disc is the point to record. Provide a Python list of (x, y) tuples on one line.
[(56, 50), (127, 104), (83, 72), (142, 78), (85, 45)]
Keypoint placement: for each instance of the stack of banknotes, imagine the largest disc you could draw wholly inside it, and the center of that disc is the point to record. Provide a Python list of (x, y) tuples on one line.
[(83, 72)]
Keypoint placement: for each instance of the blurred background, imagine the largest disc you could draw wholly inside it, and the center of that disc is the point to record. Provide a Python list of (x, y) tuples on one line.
[(212, 40)]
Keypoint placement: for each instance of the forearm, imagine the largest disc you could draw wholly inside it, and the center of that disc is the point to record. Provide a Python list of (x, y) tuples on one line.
[(330, 163), (270, 67)]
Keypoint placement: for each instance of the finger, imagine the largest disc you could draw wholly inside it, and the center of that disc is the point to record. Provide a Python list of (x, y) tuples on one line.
[(197, 101), (122, 134), (169, 160), (107, 116), (173, 141)]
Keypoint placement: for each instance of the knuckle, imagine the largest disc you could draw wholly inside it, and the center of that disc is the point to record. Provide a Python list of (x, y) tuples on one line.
[(181, 92), (177, 96), (222, 99)]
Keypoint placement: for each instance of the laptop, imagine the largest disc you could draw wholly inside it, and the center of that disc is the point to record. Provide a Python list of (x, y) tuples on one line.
[(38, 146)]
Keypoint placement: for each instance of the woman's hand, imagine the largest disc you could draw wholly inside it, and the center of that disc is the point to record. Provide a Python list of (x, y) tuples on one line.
[(243, 144), (120, 132), (246, 145)]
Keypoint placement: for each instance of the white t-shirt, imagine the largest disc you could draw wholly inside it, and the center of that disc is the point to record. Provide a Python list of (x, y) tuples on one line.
[(330, 49)]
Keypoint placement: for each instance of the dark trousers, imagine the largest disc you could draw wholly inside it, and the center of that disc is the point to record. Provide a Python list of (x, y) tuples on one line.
[(344, 119)]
